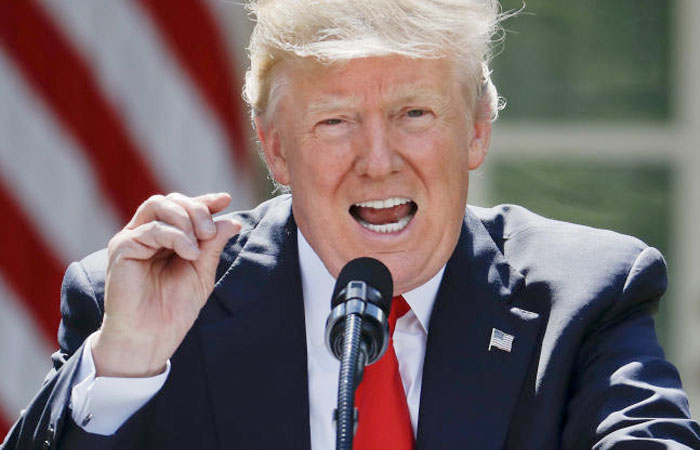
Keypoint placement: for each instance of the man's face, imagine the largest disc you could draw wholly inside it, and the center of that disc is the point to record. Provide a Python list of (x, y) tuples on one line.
[(377, 153)]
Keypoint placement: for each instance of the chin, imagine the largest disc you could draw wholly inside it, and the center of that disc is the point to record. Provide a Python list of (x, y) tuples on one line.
[(404, 276)]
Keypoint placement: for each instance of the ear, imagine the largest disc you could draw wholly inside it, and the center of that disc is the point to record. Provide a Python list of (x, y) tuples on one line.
[(275, 157), (479, 144)]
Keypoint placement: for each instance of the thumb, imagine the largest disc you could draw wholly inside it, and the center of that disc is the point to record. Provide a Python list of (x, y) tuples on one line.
[(212, 248)]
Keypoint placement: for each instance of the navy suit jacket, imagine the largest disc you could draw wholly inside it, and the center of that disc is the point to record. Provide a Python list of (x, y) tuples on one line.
[(585, 370)]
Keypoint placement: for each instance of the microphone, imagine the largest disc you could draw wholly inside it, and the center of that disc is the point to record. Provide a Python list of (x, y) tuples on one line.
[(357, 333), (364, 287)]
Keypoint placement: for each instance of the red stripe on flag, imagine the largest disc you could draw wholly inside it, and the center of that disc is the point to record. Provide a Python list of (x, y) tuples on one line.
[(67, 85), (190, 30), (4, 423), (30, 267)]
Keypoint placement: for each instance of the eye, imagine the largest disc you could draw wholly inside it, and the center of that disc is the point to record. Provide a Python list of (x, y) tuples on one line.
[(333, 127), (416, 113)]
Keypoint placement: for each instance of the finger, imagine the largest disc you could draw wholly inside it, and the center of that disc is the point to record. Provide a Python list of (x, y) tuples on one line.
[(145, 241), (161, 235), (212, 248), (215, 202), (124, 247), (199, 213), (163, 209)]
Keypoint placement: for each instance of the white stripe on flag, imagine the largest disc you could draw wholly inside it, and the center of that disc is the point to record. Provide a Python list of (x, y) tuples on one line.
[(182, 137), (232, 19), (45, 170), (24, 355)]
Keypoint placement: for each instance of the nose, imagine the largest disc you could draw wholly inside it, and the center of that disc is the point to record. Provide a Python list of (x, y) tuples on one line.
[(377, 155)]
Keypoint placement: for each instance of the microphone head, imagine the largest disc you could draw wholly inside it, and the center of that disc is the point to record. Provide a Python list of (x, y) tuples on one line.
[(374, 273)]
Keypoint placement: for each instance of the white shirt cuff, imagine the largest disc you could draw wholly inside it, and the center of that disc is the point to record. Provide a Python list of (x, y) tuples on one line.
[(101, 405)]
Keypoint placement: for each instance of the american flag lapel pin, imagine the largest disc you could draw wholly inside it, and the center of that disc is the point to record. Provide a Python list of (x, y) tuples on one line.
[(500, 340)]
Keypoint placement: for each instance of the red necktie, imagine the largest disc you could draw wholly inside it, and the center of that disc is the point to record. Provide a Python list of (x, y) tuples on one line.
[(383, 417)]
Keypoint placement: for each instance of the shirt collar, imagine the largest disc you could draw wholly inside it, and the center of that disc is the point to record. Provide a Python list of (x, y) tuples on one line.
[(318, 284)]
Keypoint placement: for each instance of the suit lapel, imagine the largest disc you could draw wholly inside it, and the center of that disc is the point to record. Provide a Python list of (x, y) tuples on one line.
[(468, 392), (254, 343)]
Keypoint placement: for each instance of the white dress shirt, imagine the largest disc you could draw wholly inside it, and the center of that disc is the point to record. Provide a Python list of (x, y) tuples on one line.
[(102, 404)]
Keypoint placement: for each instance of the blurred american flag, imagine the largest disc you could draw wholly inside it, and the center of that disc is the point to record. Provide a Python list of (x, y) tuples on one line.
[(102, 103)]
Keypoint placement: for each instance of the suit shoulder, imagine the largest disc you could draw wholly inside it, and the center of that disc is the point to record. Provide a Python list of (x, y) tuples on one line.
[(274, 211), (567, 257), (82, 300), (515, 223), (251, 218)]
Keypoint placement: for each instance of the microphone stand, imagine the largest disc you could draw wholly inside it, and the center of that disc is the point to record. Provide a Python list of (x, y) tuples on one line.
[(364, 339), (352, 363)]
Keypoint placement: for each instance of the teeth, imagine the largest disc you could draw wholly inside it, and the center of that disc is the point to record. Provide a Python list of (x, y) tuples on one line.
[(387, 227), (388, 203)]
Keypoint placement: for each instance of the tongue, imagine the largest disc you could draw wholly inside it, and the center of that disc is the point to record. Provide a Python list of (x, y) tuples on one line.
[(384, 215)]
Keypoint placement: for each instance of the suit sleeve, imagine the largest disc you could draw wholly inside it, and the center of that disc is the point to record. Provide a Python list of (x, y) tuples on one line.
[(626, 395), (46, 423), (42, 421)]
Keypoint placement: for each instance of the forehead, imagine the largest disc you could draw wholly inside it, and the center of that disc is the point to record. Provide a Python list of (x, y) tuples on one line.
[(375, 79)]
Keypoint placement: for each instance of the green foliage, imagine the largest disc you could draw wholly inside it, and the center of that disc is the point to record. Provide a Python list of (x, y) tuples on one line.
[(586, 59)]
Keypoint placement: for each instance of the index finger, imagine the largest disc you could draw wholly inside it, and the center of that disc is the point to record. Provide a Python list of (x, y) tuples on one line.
[(148, 211)]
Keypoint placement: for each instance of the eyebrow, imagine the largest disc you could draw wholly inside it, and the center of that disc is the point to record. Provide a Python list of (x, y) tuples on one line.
[(413, 93), (332, 103)]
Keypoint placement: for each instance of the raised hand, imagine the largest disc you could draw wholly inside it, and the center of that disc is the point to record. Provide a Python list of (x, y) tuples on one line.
[(160, 273)]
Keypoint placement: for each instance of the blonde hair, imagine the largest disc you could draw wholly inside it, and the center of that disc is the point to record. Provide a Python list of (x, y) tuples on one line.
[(333, 31)]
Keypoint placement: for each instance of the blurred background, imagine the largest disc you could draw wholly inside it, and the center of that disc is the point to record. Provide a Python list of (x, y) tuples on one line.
[(103, 103)]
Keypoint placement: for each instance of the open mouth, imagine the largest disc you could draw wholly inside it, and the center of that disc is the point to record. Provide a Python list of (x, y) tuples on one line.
[(384, 216)]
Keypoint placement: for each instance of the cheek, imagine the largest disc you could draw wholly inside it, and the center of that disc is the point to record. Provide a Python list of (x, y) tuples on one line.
[(442, 158), (323, 165), (451, 181)]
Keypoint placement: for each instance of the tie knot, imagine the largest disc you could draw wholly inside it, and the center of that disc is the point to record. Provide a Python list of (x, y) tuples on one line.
[(399, 307)]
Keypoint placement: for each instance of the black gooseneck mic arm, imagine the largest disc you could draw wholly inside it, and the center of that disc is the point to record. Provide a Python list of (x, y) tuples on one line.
[(357, 333)]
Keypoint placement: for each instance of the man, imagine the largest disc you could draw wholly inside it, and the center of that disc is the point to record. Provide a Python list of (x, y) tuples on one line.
[(522, 332)]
